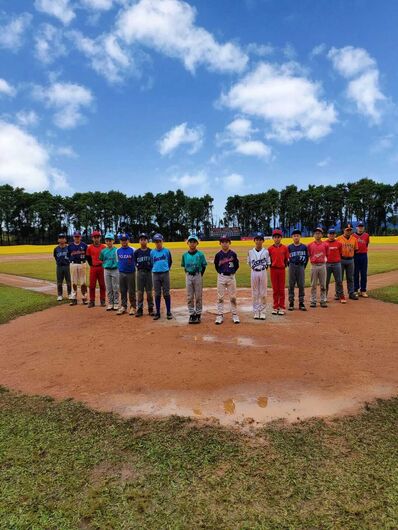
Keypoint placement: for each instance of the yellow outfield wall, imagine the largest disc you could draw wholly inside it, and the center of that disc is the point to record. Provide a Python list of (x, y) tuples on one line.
[(47, 249)]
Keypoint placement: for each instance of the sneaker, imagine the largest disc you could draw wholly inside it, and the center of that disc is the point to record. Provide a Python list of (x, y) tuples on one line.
[(263, 315), (169, 316), (364, 294), (343, 299), (256, 315), (192, 319), (140, 313), (291, 306), (235, 319), (281, 312), (91, 304), (73, 301), (312, 304), (353, 296), (115, 307), (274, 312), (156, 316), (302, 307), (132, 311), (103, 304), (121, 310), (59, 298), (219, 319), (109, 307), (84, 301), (323, 304)]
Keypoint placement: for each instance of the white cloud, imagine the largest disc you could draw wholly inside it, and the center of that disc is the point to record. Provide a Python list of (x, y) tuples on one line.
[(67, 99), (350, 61), (325, 162), (187, 180), (60, 9), (168, 26), (12, 33), (233, 182), (49, 44), (106, 55), (179, 135), (25, 163), (27, 118), (6, 88), (287, 101), (363, 88)]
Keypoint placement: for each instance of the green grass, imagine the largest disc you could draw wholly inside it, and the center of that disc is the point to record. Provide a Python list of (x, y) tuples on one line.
[(15, 302), (386, 294), (65, 467), (379, 261)]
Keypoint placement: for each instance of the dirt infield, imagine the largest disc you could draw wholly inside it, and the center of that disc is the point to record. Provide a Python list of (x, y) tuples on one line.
[(322, 362)]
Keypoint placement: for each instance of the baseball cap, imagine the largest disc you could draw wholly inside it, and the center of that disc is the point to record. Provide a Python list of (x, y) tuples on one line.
[(109, 235), (96, 233), (259, 235), (76, 233), (277, 232), (296, 231), (194, 237), (143, 235), (331, 231), (123, 235), (62, 235), (157, 237), (318, 229)]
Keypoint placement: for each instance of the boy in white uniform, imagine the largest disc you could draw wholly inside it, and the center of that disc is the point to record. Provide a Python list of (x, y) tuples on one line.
[(259, 260)]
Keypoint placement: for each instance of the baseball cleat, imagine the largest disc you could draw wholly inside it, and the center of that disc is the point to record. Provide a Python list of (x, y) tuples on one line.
[(235, 319), (121, 310), (263, 315), (59, 298), (219, 319), (109, 307)]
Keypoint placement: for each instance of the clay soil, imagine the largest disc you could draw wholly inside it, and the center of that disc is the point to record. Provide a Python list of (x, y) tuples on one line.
[(318, 363)]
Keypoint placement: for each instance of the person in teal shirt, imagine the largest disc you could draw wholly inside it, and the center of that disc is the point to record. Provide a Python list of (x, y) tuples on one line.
[(108, 256), (194, 263)]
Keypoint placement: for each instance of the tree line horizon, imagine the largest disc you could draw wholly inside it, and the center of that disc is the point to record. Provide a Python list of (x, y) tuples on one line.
[(38, 217)]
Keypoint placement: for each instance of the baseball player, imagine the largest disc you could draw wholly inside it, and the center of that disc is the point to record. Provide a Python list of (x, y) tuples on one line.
[(161, 264), (333, 265), (318, 253), (77, 257), (350, 247), (62, 260), (142, 258), (279, 255), (226, 263), (194, 263), (298, 259), (108, 256), (259, 261), (96, 269), (361, 260), (126, 266)]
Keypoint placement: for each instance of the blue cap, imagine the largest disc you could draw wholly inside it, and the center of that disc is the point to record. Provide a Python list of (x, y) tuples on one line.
[(194, 237), (157, 237), (123, 235), (259, 235), (109, 235), (76, 233)]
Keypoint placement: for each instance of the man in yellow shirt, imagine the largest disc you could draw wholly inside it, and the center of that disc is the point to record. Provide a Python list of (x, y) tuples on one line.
[(350, 247)]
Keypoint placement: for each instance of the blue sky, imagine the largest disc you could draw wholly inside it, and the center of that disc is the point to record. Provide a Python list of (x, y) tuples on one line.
[(224, 97)]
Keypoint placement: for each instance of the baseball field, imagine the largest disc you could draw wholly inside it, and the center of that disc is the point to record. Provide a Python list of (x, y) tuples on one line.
[(112, 422)]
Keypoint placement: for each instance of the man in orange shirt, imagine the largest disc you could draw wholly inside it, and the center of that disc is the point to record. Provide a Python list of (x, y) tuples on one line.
[(350, 247)]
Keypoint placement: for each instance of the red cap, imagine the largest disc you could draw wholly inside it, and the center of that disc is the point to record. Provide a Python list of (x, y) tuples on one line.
[(277, 232), (96, 233)]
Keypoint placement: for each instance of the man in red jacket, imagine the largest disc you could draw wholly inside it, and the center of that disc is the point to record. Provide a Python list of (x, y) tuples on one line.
[(96, 269), (279, 255), (361, 260)]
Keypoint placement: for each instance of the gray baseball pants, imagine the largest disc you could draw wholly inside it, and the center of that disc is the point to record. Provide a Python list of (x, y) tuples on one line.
[(127, 285), (296, 277), (318, 275), (112, 285), (335, 270), (194, 285), (144, 283)]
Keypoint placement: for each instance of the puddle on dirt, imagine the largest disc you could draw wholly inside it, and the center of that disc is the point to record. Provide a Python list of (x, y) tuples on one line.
[(252, 405)]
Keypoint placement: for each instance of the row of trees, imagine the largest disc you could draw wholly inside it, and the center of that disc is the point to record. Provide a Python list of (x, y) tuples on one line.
[(374, 203), (39, 217)]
